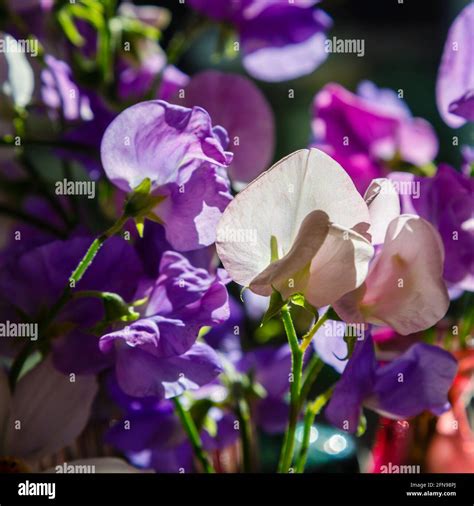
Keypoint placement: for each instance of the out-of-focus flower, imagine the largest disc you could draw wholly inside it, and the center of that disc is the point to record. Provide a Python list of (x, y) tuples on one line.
[(365, 131), (279, 40), (455, 84), (61, 94), (311, 218), (182, 155), (172, 80), (17, 83), (51, 410), (158, 354), (234, 102), (447, 201), (32, 282), (151, 435), (416, 381), (269, 367)]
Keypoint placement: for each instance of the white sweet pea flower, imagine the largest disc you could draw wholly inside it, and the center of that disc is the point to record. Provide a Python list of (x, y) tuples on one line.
[(299, 227)]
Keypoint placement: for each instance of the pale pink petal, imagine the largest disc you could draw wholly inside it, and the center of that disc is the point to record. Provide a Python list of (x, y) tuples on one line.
[(404, 288), (340, 266), (384, 206), (51, 409), (290, 274), (276, 203)]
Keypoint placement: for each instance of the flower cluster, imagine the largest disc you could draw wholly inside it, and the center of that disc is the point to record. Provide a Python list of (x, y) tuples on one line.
[(171, 282)]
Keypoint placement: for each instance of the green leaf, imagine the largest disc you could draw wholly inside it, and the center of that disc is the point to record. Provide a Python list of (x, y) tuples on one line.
[(332, 315), (117, 309), (298, 299), (276, 303)]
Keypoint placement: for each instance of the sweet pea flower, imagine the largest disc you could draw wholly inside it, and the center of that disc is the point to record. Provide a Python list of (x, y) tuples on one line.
[(60, 94), (455, 83), (446, 200), (157, 355), (52, 411), (279, 40), (154, 436), (306, 212), (269, 367), (404, 287), (182, 155), (234, 102), (416, 381), (366, 130)]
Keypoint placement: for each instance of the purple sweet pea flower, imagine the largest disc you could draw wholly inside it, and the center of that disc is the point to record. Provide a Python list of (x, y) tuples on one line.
[(155, 438), (158, 354), (136, 75), (61, 94), (172, 80), (416, 381), (183, 156), (279, 40), (455, 84), (447, 201), (364, 131), (234, 102), (270, 367)]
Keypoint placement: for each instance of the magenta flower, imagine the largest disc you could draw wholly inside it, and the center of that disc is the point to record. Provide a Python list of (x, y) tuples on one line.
[(365, 131), (455, 84), (279, 40), (182, 154)]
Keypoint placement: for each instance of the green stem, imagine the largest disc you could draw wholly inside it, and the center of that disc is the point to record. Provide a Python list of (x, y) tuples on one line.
[(312, 371), (193, 435), (313, 409), (19, 362), (75, 277), (243, 413), (308, 337), (286, 456)]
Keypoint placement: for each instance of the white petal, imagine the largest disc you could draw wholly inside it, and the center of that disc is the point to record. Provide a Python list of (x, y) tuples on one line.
[(51, 409), (276, 203)]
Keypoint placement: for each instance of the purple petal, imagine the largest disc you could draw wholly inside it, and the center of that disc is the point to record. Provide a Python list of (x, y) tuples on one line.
[(355, 385), (418, 380), (192, 209), (455, 75), (141, 374), (156, 140)]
